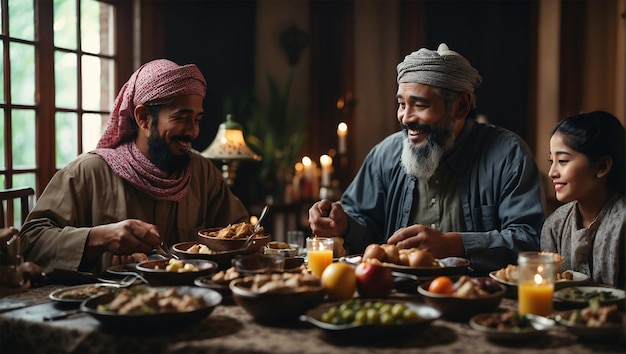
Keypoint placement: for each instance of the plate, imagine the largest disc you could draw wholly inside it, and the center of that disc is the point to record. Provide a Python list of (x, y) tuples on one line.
[(449, 266), (585, 332), (511, 287), (538, 326), (426, 313), (578, 296), (81, 292), (144, 321)]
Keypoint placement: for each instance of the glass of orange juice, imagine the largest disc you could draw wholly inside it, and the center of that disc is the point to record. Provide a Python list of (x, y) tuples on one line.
[(319, 254)]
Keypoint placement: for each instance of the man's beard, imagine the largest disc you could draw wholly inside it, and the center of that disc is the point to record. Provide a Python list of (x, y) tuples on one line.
[(161, 155), (422, 161)]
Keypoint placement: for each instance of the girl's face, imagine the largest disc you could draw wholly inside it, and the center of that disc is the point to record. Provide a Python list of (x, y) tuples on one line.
[(573, 177)]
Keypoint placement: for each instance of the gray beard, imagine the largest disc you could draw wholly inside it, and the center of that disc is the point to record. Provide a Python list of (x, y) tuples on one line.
[(422, 161)]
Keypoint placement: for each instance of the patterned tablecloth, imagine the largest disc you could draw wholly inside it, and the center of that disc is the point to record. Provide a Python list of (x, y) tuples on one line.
[(230, 329)]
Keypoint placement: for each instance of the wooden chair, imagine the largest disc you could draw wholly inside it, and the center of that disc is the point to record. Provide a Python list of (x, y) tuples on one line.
[(9, 195)]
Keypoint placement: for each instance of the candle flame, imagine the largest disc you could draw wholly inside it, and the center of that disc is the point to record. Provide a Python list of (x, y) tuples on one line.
[(538, 279), (306, 161), (325, 160), (342, 128)]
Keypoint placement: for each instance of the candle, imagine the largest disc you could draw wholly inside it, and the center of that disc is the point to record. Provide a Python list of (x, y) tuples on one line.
[(535, 286), (342, 133), (326, 162), (319, 254)]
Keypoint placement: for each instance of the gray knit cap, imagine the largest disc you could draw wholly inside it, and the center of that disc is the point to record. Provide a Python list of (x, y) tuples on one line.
[(442, 68)]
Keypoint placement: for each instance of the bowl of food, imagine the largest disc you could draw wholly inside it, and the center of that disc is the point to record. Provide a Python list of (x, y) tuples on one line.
[(466, 298), (233, 237), (175, 271), (197, 250), (274, 298), (281, 248)]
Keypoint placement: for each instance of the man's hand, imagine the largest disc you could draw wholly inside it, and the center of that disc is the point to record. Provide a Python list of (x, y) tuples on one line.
[(122, 238), (328, 219), (439, 244)]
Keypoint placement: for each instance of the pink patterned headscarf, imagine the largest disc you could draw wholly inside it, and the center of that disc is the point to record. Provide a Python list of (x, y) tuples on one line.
[(156, 82)]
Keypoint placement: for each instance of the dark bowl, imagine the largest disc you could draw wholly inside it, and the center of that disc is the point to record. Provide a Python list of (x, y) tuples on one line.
[(460, 308), (272, 308), (223, 259), (161, 276), (220, 244)]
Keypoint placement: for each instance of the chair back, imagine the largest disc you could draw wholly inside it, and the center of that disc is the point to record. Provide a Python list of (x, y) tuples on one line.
[(20, 194)]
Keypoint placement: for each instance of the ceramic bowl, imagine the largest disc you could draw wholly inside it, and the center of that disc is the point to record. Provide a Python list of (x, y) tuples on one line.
[(275, 307), (220, 244), (223, 259), (160, 276), (282, 248), (460, 308)]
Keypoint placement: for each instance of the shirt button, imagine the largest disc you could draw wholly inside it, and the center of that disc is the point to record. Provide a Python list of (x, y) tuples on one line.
[(432, 201), (433, 226)]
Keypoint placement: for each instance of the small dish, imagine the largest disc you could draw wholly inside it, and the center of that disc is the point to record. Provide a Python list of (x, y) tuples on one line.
[(282, 248), (538, 326), (221, 244), (79, 293), (579, 296), (155, 320), (427, 315), (156, 274), (588, 333)]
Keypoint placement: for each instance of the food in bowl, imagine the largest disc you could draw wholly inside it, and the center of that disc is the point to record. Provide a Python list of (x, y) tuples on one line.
[(597, 316), (223, 277), (361, 312), (199, 249), (471, 296), (234, 231), (177, 266), (146, 300), (508, 320), (281, 248)]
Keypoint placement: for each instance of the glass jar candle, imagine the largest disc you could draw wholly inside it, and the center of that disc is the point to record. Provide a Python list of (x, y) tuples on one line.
[(535, 286), (319, 252)]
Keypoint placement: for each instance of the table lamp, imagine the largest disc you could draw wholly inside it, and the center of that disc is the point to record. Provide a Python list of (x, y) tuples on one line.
[(230, 147)]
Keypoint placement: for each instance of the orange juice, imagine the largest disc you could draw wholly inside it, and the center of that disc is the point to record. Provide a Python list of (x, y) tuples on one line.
[(535, 298), (319, 260)]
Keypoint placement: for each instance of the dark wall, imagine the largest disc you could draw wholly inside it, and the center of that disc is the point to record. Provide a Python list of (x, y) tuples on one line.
[(495, 37), (219, 37)]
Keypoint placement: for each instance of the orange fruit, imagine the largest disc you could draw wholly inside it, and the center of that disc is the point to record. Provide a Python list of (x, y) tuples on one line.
[(441, 285), (340, 281)]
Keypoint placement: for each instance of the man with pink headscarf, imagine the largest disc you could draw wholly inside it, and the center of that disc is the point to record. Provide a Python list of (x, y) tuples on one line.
[(143, 184)]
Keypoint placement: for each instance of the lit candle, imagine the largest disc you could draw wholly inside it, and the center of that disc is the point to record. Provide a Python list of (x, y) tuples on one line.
[(307, 163), (327, 163), (342, 133), (535, 286)]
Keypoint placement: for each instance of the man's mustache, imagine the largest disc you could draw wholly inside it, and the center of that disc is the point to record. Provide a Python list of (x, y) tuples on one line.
[(416, 126)]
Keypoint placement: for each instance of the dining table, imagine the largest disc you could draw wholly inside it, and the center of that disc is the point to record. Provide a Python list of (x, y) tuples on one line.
[(230, 329)]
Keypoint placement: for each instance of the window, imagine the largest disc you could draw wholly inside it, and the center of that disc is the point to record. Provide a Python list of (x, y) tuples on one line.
[(58, 65)]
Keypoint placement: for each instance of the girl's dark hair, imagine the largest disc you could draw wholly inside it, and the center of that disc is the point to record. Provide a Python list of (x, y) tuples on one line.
[(597, 134)]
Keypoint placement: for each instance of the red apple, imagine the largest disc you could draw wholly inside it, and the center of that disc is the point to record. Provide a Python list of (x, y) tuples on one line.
[(373, 280)]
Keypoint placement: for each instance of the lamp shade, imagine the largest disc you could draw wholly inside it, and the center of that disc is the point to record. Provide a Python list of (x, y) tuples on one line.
[(229, 143)]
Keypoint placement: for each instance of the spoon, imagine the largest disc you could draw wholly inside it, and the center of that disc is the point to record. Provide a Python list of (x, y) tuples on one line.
[(255, 229), (165, 251)]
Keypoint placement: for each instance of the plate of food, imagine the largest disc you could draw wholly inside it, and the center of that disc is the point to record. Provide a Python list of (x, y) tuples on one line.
[(510, 325), (593, 322), (136, 307), (411, 261), (79, 293), (508, 277), (580, 296), (371, 318)]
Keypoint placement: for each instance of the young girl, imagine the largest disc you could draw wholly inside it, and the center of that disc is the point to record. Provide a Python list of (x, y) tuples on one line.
[(587, 169)]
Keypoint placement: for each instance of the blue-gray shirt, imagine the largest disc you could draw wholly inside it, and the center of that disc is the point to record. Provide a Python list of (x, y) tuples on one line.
[(499, 188)]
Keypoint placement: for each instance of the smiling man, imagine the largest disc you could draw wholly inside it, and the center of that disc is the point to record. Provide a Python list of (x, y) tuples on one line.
[(143, 184), (444, 183)]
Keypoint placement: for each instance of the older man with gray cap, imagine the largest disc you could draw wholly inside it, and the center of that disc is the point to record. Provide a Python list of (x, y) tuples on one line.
[(141, 186), (444, 183)]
